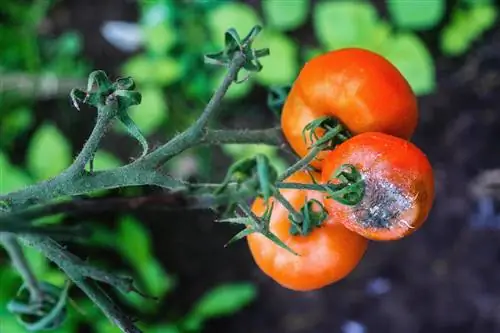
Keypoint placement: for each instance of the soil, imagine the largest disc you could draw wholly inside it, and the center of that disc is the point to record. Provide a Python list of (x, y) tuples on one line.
[(444, 278)]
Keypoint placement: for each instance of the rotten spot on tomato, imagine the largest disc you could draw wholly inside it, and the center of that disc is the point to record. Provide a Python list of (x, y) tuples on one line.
[(383, 205)]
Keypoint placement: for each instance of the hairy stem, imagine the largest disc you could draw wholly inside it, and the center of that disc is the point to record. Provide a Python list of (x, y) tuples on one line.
[(104, 118), (74, 268), (302, 163), (13, 248), (194, 134)]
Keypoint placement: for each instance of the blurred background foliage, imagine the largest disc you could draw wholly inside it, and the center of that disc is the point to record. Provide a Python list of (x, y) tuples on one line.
[(163, 51)]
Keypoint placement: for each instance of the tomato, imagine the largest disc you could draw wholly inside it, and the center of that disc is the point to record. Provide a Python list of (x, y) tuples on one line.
[(359, 88), (398, 186), (327, 254)]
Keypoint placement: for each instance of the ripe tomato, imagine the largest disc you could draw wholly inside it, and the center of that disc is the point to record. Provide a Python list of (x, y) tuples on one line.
[(327, 254), (399, 186), (359, 88)]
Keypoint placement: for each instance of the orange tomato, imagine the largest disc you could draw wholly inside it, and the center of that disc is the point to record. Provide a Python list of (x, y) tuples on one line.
[(327, 254), (399, 186), (359, 88)]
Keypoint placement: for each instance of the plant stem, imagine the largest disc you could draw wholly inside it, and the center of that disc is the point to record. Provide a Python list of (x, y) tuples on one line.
[(270, 136), (74, 268), (300, 164), (13, 248), (295, 214), (104, 118), (300, 186), (193, 135)]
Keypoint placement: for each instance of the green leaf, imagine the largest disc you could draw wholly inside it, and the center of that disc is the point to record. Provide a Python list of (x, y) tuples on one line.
[(410, 55), (282, 65), (285, 15), (49, 152), (228, 15), (224, 300), (244, 151), (155, 70), (417, 15), (466, 26), (133, 239), (11, 177), (346, 24), (154, 277), (134, 243), (14, 123), (152, 112), (104, 160), (159, 39)]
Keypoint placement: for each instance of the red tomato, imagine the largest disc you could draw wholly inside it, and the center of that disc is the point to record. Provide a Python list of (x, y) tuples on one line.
[(359, 88), (327, 254), (399, 186)]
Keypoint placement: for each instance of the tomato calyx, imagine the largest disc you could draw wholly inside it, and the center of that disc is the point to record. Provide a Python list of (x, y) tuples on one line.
[(334, 133), (349, 186), (256, 170), (312, 218), (255, 224)]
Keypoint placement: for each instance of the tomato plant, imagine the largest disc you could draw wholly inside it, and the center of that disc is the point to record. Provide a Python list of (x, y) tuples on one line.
[(398, 185), (325, 253), (352, 87)]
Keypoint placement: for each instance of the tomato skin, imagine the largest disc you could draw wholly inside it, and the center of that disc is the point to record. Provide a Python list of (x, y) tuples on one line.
[(360, 88), (327, 254), (399, 186)]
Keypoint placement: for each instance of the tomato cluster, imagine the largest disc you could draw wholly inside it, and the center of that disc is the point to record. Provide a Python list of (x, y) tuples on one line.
[(376, 184)]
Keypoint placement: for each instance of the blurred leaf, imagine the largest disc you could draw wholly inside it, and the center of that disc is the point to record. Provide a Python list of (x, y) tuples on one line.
[(10, 281), (104, 160), (240, 151), (156, 12), (161, 71), (69, 44), (134, 241), (228, 15), (224, 300), (417, 15), (11, 178), (163, 329), (285, 15), (152, 112), (160, 38), (155, 278), (466, 26), (15, 123), (282, 65), (135, 245), (345, 24), (49, 152), (38, 263), (410, 55)]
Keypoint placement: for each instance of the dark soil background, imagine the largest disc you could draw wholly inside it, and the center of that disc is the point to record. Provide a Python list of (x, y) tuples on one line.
[(444, 278)]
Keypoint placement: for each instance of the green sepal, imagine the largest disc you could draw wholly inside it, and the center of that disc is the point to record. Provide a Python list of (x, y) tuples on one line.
[(134, 131), (233, 44)]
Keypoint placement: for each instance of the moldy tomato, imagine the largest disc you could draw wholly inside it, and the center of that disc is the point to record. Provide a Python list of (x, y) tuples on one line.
[(398, 186), (325, 255), (359, 89)]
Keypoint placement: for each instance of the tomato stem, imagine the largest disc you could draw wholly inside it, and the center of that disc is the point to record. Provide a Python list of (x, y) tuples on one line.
[(334, 133), (350, 188), (312, 218), (300, 163)]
